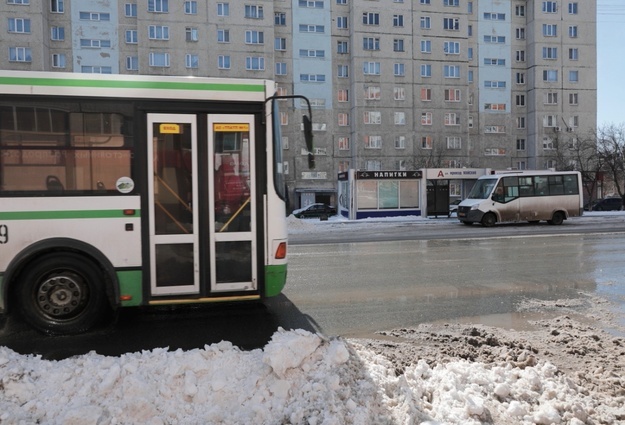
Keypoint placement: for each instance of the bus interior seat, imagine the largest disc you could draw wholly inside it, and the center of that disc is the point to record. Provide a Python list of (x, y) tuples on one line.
[(54, 184)]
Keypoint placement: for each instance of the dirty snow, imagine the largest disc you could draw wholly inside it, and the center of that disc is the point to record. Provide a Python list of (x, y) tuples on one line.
[(562, 371)]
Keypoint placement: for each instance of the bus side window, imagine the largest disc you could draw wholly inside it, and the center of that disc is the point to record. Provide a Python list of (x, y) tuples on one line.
[(526, 186)]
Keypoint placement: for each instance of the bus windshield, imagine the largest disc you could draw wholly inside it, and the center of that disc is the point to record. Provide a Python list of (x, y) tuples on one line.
[(482, 189)]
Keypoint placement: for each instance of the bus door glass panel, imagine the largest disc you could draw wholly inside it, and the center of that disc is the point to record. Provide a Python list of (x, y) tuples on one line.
[(232, 204), (173, 206), (506, 198)]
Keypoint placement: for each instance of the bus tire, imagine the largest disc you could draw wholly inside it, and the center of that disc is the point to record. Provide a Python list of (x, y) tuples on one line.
[(557, 219), (62, 294), (489, 220)]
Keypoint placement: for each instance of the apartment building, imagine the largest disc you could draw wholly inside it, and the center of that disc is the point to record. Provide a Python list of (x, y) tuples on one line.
[(394, 84)]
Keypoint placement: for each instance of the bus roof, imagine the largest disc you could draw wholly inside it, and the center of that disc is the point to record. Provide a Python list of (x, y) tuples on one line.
[(504, 173), (133, 86)]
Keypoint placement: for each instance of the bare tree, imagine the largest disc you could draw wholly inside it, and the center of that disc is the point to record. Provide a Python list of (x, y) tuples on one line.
[(610, 151)]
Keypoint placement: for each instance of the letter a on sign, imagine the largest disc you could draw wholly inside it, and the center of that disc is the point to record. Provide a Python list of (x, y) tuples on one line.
[(440, 173)]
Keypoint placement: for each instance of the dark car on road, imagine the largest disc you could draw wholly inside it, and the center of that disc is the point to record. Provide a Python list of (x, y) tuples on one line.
[(315, 210), (608, 204)]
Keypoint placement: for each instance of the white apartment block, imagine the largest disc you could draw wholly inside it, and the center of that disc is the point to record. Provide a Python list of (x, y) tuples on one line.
[(395, 84)]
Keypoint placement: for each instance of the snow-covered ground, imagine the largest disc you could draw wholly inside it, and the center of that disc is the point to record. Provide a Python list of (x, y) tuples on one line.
[(565, 371)]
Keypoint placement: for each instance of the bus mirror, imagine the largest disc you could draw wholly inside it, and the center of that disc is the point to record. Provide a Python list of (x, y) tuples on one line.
[(308, 136)]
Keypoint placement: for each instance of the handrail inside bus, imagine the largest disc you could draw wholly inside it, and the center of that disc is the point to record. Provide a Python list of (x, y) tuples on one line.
[(235, 215), (307, 120)]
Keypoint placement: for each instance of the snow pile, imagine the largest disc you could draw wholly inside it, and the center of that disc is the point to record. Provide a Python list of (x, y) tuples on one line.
[(298, 378)]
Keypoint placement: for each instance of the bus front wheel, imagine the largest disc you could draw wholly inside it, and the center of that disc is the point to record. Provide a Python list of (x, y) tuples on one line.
[(557, 219), (62, 294), (489, 220)]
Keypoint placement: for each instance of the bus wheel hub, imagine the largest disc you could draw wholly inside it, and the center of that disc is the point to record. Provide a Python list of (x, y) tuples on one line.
[(59, 295)]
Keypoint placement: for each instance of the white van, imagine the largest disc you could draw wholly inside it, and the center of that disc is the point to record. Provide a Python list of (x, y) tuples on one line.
[(523, 196)]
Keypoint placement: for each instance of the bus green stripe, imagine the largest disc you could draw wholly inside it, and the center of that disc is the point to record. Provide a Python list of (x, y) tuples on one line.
[(56, 215), (129, 84)]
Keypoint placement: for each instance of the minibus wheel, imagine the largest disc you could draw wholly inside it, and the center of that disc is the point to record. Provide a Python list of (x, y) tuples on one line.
[(557, 219), (489, 220), (62, 293)]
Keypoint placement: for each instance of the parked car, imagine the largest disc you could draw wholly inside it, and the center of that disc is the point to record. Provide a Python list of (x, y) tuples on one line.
[(608, 204), (453, 207), (315, 210)]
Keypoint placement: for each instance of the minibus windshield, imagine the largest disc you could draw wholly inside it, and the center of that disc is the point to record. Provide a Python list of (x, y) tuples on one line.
[(482, 189)]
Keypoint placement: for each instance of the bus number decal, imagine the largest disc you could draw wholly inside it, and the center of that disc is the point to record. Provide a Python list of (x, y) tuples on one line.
[(4, 233)]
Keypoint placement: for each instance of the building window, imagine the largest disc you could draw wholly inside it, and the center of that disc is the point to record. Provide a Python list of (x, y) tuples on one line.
[(371, 43), (190, 7), (158, 59), (426, 142), (370, 18), (22, 2), (425, 22), (426, 94), (573, 31), (279, 19), (520, 55), (488, 16), (551, 98), (312, 78), (573, 8), (132, 36), (342, 119), (342, 71), (520, 144), (451, 47), (158, 32), (130, 10), (400, 142), (573, 99), (89, 43), (57, 6), (550, 75), (343, 95), (574, 76), (520, 100), (311, 28), (426, 70), (132, 63), (520, 122), (426, 118), (550, 7), (519, 10), (57, 33), (94, 16), (520, 33), (279, 43), (372, 117), (452, 95), (398, 20), (550, 30), (400, 118), (311, 4), (280, 68), (373, 165), (253, 11), (223, 36), (399, 70), (451, 118), (254, 37), (574, 54), (371, 68), (494, 106), (58, 60), (343, 143), (19, 25), (223, 62), (255, 63), (158, 6), (550, 53), (191, 34), (550, 121), (191, 61), (454, 142), (373, 142), (451, 24), (494, 62), (520, 78), (342, 47), (453, 3), (451, 71), (96, 69), (399, 93), (223, 9), (372, 93), (495, 39), (398, 45), (426, 46), (341, 22)]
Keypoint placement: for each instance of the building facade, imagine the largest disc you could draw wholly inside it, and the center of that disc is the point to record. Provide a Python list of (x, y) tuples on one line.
[(394, 84)]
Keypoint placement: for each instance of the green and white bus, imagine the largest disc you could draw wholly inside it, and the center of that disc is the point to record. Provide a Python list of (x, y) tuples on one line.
[(120, 191)]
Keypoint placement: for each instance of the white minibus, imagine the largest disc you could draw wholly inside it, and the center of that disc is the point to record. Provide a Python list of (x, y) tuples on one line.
[(523, 196)]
